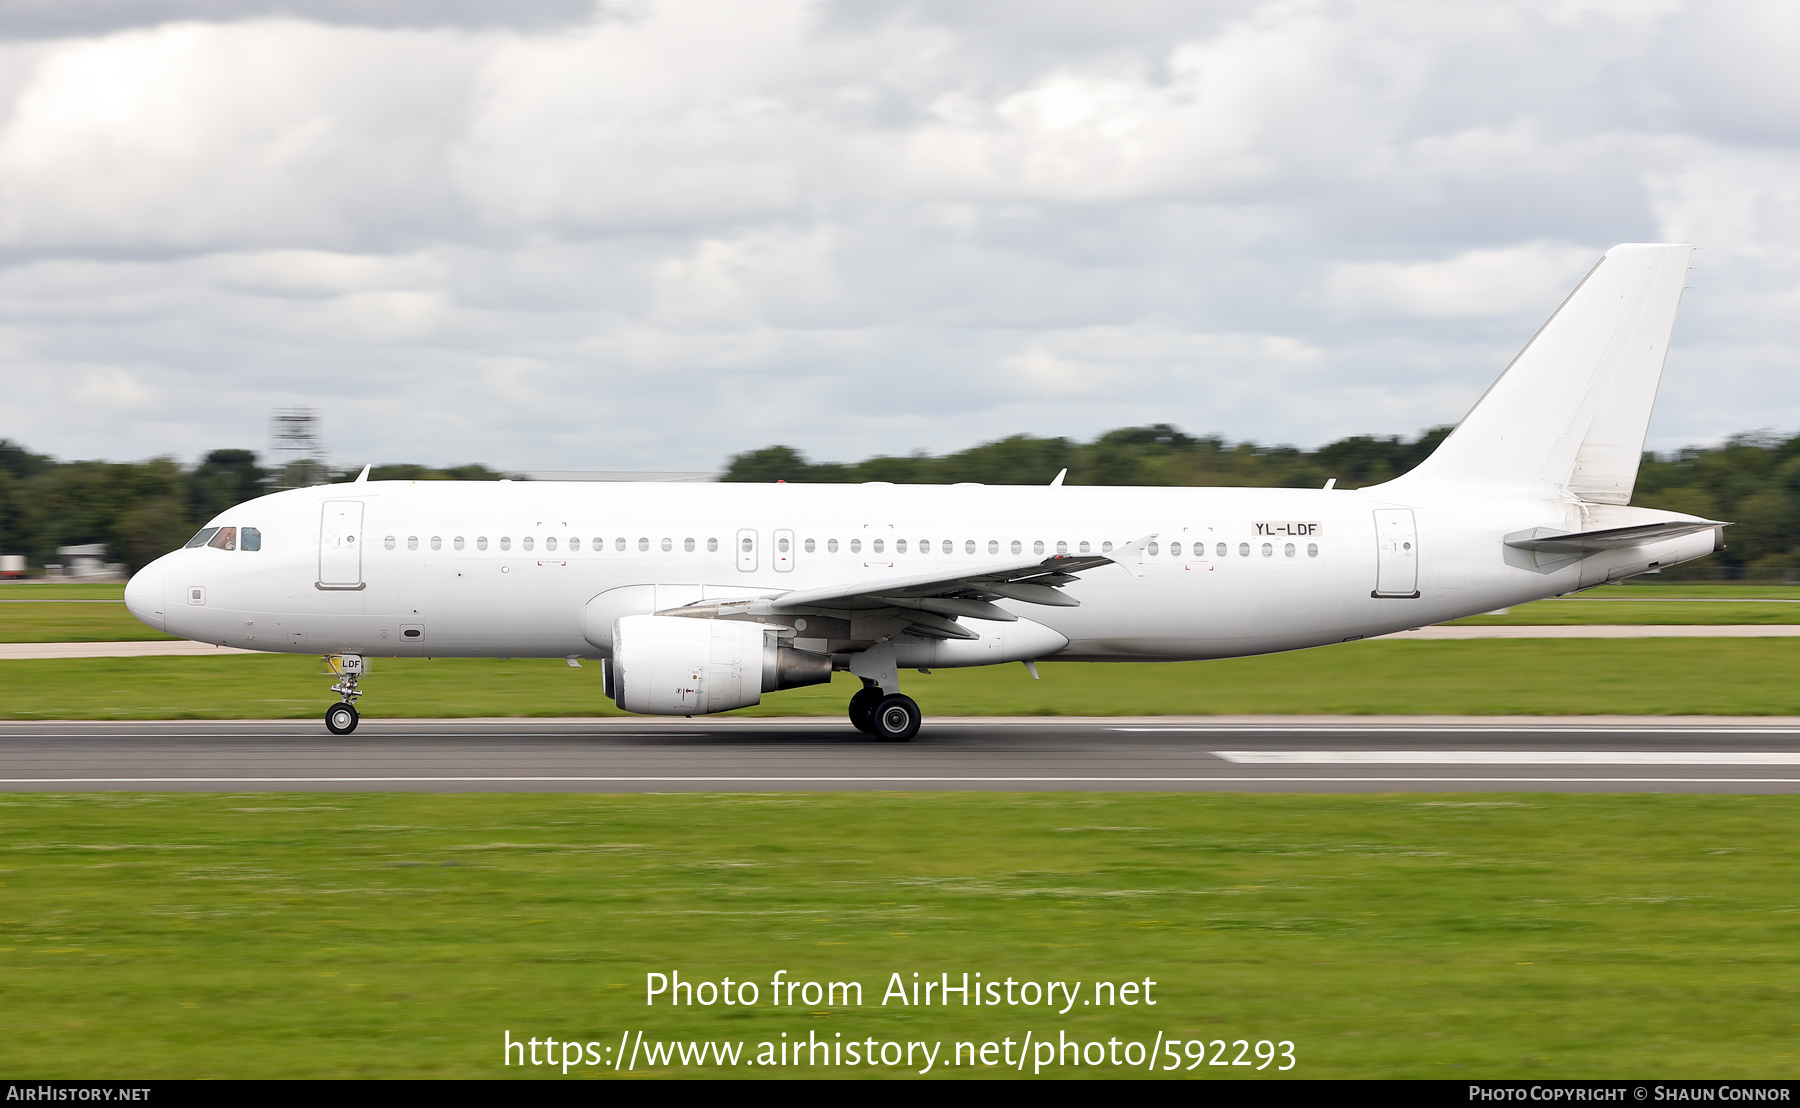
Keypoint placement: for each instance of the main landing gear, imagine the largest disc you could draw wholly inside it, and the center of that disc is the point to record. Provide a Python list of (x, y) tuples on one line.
[(890, 717), (342, 718)]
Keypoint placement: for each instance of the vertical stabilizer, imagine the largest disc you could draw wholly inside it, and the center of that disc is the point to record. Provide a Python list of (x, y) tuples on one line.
[(1569, 415)]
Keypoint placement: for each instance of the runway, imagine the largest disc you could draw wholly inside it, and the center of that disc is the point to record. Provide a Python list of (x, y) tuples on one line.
[(1256, 754)]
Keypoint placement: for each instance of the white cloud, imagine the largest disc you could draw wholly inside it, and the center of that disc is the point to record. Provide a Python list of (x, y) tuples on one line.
[(681, 228)]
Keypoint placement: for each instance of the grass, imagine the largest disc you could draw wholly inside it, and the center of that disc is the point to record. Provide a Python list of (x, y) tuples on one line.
[(51, 621), (45, 590), (373, 935), (1478, 677)]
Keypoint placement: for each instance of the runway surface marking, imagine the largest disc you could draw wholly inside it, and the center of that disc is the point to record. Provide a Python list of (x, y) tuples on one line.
[(785, 779), (1352, 728), (1512, 757)]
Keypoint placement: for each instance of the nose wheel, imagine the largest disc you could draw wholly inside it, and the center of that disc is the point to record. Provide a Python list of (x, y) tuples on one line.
[(341, 719)]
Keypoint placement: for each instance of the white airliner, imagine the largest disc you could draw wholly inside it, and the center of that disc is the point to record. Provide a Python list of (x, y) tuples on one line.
[(701, 598)]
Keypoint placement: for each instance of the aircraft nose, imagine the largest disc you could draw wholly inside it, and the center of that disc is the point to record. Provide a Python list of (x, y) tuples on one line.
[(144, 595)]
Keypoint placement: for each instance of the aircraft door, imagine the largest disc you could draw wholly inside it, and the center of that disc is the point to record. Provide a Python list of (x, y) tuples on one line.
[(1397, 553), (784, 551), (746, 550), (340, 544)]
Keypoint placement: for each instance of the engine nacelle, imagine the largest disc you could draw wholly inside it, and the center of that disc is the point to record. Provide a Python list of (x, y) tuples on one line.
[(677, 666)]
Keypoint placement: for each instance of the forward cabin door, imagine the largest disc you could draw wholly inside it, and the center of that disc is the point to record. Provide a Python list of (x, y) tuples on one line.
[(1396, 553), (340, 544)]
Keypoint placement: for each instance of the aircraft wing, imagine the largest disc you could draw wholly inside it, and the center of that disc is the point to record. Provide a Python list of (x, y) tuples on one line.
[(934, 600)]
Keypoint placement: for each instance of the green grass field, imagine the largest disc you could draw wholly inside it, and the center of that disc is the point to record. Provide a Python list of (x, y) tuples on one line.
[(1478, 677), (371, 935)]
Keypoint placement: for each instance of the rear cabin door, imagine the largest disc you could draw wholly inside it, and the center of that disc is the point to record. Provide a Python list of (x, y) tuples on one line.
[(340, 544), (1397, 553)]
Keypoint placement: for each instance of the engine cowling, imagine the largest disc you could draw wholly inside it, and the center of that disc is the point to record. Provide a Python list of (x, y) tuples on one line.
[(676, 666)]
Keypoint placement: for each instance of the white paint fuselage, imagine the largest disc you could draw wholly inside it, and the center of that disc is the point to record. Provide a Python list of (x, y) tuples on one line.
[(528, 600)]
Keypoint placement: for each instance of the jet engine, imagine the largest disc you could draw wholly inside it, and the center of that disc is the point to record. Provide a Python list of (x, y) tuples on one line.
[(678, 666)]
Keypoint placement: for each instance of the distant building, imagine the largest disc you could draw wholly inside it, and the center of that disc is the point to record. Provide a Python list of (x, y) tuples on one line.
[(87, 560)]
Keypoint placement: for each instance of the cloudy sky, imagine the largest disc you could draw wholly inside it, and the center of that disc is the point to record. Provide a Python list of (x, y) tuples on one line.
[(650, 233)]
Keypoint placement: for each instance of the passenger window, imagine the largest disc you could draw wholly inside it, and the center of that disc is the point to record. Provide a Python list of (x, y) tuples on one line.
[(1106, 548), (412, 542), (831, 546), (748, 545), (876, 545), (856, 546), (437, 543), (810, 546), (643, 544), (225, 539), (949, 547), (481, 542), (1243, 550), (574, 543), (1174, 550), (993, 546), (1268, 549), (1312, 550), (202, 536), (687, 545), (712, 546), (387, 543), (527, 542), (1018, 547), (619, 543), (1288, 550), (1084, 546), (969, 547), (250, 539), (550, 542), (899, 545), (1151, 550), (668, 545), (1220, 550), (506, 542), (1062, 547), (457, 542), (781, 544), (1037, 547), (598, 545)]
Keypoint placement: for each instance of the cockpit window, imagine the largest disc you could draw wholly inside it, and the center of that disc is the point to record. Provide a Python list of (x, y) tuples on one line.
[(226, 539), (250, 539), (201, 538)]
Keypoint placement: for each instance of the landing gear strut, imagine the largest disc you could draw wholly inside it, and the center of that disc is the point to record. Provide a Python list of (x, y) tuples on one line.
[(342, 718)]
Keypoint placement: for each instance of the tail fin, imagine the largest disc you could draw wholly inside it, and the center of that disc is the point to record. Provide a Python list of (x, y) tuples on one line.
[(1568, 416)]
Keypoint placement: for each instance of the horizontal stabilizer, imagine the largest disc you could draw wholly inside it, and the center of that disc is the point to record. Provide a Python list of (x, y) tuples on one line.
[(1587, 542)]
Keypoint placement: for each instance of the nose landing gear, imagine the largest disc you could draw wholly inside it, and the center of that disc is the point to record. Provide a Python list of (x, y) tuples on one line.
[(342, 718)]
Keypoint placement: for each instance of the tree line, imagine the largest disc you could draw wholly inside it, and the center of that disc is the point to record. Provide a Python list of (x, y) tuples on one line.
[(143, 509), (1752, 479)]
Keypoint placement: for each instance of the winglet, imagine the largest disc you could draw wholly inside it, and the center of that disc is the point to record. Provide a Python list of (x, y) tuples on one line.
[(1056, 482), (363, 477), (1132, 550)]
